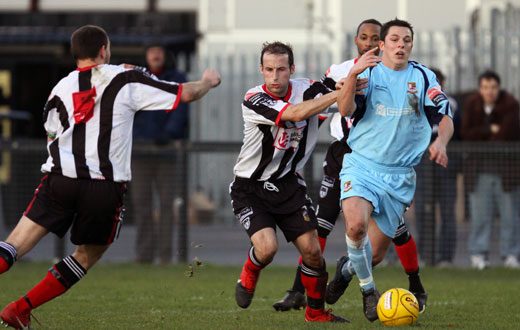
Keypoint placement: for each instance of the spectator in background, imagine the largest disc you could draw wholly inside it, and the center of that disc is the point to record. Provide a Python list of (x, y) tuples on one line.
[(491, 114), (442, 183), (156, 177)]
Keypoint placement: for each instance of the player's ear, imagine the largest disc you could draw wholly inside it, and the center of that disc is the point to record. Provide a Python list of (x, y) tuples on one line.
[(381, 45), (292, 69), (102, 52)]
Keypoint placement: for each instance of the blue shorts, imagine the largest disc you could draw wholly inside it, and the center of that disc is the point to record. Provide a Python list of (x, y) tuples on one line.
[(389, 189)]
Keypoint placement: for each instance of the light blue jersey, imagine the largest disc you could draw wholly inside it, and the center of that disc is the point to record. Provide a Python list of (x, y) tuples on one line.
[(390, 132), (392, 122)]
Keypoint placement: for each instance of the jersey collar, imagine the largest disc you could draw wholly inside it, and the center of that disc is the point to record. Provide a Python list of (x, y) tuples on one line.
[(285, 98), (86, 68)]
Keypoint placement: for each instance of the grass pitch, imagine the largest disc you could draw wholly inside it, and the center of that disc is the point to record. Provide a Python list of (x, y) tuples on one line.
[(128, 296)]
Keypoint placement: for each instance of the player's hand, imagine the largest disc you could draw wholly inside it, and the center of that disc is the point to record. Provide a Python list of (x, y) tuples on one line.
[(212, 77), (495, 128), (361, 85), (369, 59), (340, 83), (438, 153)]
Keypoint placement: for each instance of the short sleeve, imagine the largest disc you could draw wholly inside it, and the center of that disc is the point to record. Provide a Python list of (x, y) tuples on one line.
[(436, 103), (261, 108), (55, 118), (149, 93)]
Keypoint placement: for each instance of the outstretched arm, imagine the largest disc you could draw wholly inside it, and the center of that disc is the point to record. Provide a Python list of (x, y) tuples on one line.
[(194, 90), (309, 108), (438, 148)]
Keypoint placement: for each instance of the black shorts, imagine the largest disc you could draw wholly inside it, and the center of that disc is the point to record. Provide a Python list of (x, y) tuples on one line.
[(283, 203), (330, 184), (92, 207)]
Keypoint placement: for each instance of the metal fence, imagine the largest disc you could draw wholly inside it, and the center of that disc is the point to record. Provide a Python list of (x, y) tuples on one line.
[(442, 198)]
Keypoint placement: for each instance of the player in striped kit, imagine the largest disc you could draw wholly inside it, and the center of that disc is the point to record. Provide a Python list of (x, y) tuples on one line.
[(88, 118), (367, 37), (281, 129)]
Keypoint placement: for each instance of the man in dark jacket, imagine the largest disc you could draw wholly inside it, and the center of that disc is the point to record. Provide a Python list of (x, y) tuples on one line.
[(491, 114), (154, 234)]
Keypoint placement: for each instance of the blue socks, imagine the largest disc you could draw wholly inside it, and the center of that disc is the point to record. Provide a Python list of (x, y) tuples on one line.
[(360, 263)]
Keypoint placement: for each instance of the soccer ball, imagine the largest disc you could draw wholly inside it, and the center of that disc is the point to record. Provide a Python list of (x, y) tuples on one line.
[(397, 307)]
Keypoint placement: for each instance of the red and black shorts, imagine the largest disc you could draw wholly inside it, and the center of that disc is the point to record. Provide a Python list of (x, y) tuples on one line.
[(283, 203), (92, 207)]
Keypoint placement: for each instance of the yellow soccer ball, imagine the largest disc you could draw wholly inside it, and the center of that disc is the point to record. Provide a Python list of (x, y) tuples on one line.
[(397, 307)]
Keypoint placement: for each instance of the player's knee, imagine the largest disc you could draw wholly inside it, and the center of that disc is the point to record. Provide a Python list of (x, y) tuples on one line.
[(266, 251), (88, 255), (312, 256), (356, 230)]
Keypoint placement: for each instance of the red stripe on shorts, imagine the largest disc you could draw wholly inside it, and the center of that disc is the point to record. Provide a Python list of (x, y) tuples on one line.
[(35, 193)]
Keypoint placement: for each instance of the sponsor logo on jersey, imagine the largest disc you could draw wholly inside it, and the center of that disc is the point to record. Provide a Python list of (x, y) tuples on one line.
[(412, 88), (288, 138), (382, 110), (347, 187)]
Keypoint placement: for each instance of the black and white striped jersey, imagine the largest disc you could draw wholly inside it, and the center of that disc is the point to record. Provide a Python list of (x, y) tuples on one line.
[(89, 118), (339, 126), (272, 148)]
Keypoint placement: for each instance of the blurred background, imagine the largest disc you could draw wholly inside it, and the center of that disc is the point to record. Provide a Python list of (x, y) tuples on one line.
[(460, 38)]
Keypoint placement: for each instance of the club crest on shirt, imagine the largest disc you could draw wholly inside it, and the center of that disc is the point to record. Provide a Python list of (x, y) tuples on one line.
[(412, 88), (347, 186)]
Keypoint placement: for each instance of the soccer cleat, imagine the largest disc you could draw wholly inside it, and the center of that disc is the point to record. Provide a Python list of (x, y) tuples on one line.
[(338, 284), (422, 297), (293, 299), (370, 300), (12, 316), (322, 315), (243, 295)]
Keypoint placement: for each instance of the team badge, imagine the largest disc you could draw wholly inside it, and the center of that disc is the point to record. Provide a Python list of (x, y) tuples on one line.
[(323, 191), (347, 187), (305, 214), (412, 88), (244, 218)]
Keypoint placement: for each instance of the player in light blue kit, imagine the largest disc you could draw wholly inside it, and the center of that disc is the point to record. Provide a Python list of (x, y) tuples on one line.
[(391, 130)]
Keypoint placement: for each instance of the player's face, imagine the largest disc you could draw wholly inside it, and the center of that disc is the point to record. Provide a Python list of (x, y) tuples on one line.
[(397, 47), (489, 90), (155, 58), (367, 38), (277, 72)]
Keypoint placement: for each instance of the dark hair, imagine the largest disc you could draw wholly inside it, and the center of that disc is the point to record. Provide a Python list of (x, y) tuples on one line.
[(394, 22), (489, 74), (368, 21), (440, 77), (277, 47), (86, 42)]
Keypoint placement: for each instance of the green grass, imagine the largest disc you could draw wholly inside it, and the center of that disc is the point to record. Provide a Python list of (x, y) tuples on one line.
[(127, 296)]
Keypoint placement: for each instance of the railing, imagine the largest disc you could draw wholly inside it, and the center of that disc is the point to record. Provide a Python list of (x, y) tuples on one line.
[(28, 155)]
